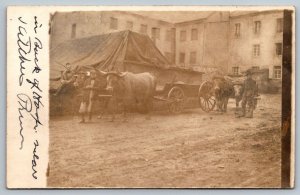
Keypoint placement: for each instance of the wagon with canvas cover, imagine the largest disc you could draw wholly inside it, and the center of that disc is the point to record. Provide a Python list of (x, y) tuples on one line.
[(133, 52)]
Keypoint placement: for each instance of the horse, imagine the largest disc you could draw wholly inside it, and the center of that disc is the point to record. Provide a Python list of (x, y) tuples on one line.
[(222, 90)]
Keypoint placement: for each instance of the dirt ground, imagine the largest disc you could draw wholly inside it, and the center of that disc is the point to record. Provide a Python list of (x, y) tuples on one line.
[(191, 149)]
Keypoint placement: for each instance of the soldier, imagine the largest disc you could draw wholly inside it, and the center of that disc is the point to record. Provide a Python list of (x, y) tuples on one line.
[(90, 90), (67, 79), (250, 90)]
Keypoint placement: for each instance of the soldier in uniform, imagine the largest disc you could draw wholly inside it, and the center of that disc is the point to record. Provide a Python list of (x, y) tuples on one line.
[(67, 79), (90, 92), (250, 91)]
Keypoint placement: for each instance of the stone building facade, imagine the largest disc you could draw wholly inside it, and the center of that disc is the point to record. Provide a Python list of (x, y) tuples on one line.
[(224, 41), (66, 26), (203, 44), (255, 42)]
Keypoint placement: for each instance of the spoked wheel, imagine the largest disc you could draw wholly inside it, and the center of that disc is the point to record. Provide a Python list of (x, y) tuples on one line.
[(207, 103), (176, 98), (207, 100)]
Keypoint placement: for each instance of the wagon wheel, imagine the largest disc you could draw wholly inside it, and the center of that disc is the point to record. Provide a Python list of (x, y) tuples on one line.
[(207, 100), (176, 97)]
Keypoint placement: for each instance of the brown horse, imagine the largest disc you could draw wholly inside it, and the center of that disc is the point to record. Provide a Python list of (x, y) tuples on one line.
[(238, 93), (223, 90)]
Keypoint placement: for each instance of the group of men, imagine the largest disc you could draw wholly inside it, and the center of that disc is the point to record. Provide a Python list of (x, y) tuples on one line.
[(86, 82)]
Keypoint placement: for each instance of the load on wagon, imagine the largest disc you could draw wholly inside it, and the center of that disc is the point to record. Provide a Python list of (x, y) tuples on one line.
[(127, 51)]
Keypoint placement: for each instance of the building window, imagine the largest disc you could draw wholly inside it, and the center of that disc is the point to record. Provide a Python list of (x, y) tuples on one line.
[(193, 57), (113, 23), (129, 25), (235, 70), (256, 50), (181, 58), (278, 49), (237, 30), (168, 35), (73, 32), (182, 35), (155, 33), (279, 25), (277, 72), (255, 67), (194, 34), (257, 27), (143, 29)]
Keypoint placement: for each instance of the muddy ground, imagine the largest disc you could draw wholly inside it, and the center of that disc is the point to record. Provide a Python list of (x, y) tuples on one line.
[(191, 149)]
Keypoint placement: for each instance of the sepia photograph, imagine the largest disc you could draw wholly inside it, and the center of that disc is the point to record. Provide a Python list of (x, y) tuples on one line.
[(165, 98)]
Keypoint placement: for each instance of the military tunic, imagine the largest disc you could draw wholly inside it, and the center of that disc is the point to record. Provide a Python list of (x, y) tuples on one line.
[(250, 90), (89, 94), (67, 81)]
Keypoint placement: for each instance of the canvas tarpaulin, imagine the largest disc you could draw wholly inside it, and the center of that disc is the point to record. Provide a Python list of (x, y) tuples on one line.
[(112, 51)]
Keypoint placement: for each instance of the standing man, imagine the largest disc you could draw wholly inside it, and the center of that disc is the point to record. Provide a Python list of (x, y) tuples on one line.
[(90, 92), (250, 91), (67, 79)]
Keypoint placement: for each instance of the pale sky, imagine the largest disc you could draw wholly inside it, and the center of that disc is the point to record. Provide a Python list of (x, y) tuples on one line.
[(182, 16), (174, 17)]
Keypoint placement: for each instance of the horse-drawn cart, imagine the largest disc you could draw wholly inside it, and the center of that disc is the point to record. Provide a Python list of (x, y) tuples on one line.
[(176, 95), (179, 88), (136, 53)]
